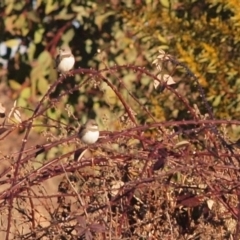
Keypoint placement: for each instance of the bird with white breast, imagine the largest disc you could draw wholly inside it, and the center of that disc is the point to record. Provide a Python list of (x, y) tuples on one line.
[(89, 132), (65, 60)]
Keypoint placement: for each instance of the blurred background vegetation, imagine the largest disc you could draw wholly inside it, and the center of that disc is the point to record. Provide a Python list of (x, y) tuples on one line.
[(203, 34)]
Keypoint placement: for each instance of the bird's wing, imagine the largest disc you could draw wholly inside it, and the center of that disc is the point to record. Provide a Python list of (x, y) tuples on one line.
[(57, 61), (81, 130)]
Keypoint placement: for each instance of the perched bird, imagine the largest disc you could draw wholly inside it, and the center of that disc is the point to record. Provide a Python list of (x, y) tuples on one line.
[(65, 60), (89, 132)]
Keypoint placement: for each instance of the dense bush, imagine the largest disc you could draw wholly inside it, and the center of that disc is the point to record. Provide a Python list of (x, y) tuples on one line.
[(161, 78)]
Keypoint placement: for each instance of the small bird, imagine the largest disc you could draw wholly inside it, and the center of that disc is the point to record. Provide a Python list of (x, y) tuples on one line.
[(89, 132), (65, 60)]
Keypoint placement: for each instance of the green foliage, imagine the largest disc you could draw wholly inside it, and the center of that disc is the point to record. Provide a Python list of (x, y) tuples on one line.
[(204, 35)]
